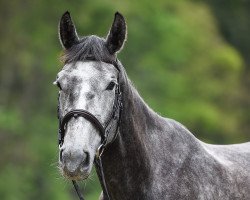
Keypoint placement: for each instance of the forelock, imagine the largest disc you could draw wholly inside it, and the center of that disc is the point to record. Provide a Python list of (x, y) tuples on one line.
[(89, 48)]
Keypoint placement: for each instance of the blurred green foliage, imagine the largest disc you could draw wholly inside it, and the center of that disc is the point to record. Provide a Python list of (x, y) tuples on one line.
[(183, 65)]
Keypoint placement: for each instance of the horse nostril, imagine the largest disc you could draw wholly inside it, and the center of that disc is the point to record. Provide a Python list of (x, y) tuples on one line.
[(86, 159)]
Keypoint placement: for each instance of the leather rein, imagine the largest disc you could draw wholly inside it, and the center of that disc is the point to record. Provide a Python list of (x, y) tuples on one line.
[(111, 125)]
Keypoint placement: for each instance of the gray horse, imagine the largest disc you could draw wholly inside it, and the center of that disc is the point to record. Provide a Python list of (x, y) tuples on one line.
[(150, 157)]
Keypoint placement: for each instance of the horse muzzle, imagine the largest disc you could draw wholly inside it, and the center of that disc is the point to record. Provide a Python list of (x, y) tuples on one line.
[(75, 165)]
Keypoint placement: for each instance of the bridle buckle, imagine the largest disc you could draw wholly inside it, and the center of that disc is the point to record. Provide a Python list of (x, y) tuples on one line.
[(99, 151)]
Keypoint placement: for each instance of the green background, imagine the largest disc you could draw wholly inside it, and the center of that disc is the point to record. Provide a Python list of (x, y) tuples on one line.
[(189, 59)]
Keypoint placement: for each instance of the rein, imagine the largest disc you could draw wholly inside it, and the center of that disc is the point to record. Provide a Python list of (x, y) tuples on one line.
[(112, 124)]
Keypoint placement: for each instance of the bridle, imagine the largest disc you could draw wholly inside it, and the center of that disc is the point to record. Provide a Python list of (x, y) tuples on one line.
[(111, 126)]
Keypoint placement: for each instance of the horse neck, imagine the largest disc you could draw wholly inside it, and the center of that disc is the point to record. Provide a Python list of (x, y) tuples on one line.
[(126, 162), (145, 142)]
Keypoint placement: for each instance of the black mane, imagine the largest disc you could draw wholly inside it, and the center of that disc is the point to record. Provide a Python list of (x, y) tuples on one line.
[(89, 48)]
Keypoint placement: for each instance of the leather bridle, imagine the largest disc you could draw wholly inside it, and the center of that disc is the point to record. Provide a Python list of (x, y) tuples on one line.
[(111, 125)]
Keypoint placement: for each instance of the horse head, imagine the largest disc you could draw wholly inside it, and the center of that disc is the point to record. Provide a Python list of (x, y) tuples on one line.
[(88, 94)]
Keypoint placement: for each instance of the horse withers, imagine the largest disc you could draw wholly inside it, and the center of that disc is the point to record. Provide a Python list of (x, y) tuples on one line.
[(146, 156)]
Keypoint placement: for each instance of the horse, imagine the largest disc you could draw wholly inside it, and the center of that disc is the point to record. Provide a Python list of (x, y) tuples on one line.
[(143, 156)]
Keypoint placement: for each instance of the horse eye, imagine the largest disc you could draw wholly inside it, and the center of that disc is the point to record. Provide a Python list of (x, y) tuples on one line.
[(111, 86), (58, 85)]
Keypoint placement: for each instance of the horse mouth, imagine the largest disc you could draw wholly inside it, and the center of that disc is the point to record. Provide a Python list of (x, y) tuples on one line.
[(77, 176)]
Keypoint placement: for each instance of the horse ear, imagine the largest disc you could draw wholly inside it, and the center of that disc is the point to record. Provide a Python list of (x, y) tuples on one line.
[(117, 34), (67, 31)]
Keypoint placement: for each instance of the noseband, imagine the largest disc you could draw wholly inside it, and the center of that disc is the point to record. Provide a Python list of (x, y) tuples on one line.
[(111, 125)]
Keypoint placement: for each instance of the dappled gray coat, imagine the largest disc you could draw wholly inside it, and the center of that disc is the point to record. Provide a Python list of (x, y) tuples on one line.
[(156, 158)]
